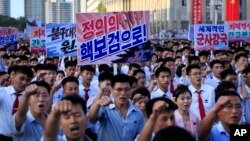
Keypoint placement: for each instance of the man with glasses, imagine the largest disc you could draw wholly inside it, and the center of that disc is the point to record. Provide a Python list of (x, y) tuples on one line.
[(228, 108), (202, 94), (119, 119)]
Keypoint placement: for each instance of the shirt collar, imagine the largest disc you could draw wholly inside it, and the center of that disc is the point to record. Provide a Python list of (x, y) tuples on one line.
[(215, 78), (160, 91), (131, 107), (221, 129), (30, 117), (193, 90), (12, 90)]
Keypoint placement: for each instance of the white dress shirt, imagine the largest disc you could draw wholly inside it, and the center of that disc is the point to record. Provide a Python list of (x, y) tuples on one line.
[(159, 93), (212, 81), (207, 96), (7, 98), (93, 91)]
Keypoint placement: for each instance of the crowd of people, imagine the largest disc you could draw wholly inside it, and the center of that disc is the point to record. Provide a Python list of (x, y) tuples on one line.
[(179, 94)]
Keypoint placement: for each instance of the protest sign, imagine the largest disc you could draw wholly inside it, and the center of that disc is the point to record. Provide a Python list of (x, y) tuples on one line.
[(239, 31), (37, 39), (114, 37), (210, 37), (8, 36), (61, 40)]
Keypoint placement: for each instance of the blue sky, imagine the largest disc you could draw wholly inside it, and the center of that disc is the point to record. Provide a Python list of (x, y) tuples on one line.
[(17, 8)]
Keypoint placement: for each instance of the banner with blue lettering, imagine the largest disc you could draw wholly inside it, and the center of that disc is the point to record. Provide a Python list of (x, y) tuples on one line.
[(61, 40), (210, 37), (8, 36), (113, 37)]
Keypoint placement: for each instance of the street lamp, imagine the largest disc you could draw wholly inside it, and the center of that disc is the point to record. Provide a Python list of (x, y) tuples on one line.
[(216, 4)]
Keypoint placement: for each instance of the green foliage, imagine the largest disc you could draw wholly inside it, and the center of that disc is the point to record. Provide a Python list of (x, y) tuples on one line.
[(101, 7), (19, 23)]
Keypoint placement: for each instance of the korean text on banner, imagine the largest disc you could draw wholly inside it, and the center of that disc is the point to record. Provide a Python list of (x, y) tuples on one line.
[(239, 31), (197, 10), (8, 35), (210, 37), (37, 39), (114, 37), (61, 40)]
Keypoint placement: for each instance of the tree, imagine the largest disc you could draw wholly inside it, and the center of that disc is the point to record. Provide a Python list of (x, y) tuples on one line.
[(19, 23), (101, 7)]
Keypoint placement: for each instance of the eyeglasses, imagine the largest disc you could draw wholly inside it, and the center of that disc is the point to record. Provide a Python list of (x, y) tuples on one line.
[(122, 89)]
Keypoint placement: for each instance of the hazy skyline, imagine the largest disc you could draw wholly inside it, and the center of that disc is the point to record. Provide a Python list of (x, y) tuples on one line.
[(16, 8)]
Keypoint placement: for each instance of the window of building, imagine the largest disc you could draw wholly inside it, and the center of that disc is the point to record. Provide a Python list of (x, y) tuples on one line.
[(208, 18), (208, 2), (220, 16), (184, 2)]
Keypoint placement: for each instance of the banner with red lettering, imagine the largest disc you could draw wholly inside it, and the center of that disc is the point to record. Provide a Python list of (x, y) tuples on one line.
[(210, 37), (197, 11), (37, 39), (8, 36), (239, 31), (113, 37)]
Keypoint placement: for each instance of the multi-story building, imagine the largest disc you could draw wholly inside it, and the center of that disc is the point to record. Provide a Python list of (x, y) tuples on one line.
[(34, 9), (92, 5), (5, 7)]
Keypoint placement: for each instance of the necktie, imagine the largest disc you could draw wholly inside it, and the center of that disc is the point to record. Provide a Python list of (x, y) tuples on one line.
[(171, 86), (86, 97), (201, 106), (16, 103)]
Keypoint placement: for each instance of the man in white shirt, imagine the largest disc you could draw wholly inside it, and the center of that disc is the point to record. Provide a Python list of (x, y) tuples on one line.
[(163, 77), (9, 99), (216, 68), (202, 94)]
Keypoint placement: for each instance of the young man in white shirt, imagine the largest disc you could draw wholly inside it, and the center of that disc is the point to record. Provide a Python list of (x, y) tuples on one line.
[(9, 99), (216, 68), (202, 94), (163, 77)]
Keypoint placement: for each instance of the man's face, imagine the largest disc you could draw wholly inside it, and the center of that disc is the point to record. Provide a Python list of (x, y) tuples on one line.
[(130, 72), (232, 78), (6, 61), (74, 122), (163, 80), (171, 66), (141, 79), (216, 70), (20, 81), (50, 77), (232, 112), (39, 102), (170, 54), (178, 62), (121, 92), (33, 63), (87, 76), (23, 62), (203, 59), (70, 70), (71, 88), (164, 120), (242, 62), (195, 76)]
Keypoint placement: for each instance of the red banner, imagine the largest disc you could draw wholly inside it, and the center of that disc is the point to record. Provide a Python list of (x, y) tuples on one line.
[(197, 10), (233, 12)]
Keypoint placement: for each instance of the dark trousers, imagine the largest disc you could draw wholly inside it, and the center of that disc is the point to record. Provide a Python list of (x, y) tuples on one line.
[(5, 138)]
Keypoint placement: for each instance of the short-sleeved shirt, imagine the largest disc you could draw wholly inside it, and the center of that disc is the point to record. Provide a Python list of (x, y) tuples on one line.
[(30, 130), (113, 127), (218, 133)]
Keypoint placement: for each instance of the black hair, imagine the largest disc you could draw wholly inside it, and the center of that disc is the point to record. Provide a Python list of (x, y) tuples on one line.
[(138, 71), (226, 93), (2, 73), (246, 70), (87, 68), (76, 99), (162, 69), (103, 68), (133, 79), (217, 52), (70, 64), (134, 65), (212, 63), (33, 59), (143, 91), (237, 57), (173, 133), (50, 67), (122, 78), (227, 72), (153, 54), (24, 70), (69, 79), (224, 85), (203, 53), (177, 57), (39, 67), (60, 71), (180, 90), (42, 84), (48, 59), (192, 58), (168, 59), (23, 58), (105, 76), (6, 56), (178, 71), (190, 67)]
